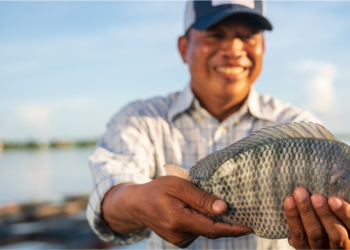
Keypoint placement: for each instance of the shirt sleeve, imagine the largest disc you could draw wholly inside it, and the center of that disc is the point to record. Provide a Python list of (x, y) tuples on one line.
[(124, 154)]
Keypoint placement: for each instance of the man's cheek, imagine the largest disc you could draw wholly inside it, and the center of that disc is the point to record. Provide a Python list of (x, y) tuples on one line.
[(198, 62), (205, 50), (259, 50)]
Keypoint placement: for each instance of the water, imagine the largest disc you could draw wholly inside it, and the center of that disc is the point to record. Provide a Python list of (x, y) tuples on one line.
[(27, 175)]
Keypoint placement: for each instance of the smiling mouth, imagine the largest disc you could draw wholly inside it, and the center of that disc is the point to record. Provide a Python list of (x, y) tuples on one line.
[(236, 70)]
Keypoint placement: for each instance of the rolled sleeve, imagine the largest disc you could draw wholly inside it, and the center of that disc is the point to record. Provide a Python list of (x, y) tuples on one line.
[(124, 154)]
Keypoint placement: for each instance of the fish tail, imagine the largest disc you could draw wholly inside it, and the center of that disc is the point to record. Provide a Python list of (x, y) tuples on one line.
[(174, 170)]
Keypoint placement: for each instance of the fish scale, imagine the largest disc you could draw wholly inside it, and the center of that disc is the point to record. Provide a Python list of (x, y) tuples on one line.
[(256, 174), (265, 176)]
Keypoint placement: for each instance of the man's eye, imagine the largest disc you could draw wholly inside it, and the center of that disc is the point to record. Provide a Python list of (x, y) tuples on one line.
[(251, 37), (248, 37), (216, 35)]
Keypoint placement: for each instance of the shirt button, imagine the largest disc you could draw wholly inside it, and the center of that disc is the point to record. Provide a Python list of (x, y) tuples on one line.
[(218, 133), (222, 129)]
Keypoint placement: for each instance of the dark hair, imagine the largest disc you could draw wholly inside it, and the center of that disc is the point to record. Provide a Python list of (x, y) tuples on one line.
[(187, 34)]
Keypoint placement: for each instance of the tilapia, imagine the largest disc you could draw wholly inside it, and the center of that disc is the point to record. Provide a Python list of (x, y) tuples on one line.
[(255, 175)]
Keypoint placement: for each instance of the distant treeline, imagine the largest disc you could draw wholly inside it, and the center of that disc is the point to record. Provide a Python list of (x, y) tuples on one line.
[(45, 144)]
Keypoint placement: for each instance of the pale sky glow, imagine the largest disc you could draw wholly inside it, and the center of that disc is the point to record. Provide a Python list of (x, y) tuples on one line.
[(67, 67), (320, 86)]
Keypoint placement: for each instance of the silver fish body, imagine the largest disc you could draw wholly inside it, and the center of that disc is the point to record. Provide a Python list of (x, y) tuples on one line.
[(256, 174)]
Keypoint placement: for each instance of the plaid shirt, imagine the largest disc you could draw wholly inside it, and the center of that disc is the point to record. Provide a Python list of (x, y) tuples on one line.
[(144, 135)]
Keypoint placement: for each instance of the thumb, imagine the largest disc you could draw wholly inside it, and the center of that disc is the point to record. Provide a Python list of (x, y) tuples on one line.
[(200, 200), (219, 206)]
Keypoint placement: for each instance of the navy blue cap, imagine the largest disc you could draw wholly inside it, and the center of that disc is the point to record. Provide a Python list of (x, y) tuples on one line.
[(200, 15)]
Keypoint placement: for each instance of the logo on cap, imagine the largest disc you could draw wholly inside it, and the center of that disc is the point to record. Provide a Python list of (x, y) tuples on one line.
[(202, 14), (247, 3)]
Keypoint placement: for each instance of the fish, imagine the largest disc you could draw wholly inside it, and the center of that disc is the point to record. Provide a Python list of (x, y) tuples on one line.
[(255, 175)]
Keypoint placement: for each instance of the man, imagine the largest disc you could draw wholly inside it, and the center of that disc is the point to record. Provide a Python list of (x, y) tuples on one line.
[(223, 48)]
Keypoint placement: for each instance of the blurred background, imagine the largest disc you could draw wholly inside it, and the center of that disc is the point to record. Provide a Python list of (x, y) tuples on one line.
[(67, 67)]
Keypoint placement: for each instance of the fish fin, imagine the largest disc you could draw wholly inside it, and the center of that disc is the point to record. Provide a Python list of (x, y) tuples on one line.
[(301, 130), (295, 130), (174, 170), (285, 131)]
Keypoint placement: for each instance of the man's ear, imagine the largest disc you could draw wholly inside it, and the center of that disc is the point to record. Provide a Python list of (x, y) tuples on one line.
[(263, 43), (182, 45)]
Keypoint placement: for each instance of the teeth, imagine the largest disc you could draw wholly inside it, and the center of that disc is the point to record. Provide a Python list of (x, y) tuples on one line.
[(230, 70)]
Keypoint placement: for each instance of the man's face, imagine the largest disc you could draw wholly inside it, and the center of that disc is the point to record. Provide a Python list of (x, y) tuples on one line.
[(225, 59)]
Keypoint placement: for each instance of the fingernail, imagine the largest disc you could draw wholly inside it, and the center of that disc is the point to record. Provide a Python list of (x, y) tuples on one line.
[(290, 203), (317, 200), (247, 232), (218, 206), (300, 194), (335, 203)]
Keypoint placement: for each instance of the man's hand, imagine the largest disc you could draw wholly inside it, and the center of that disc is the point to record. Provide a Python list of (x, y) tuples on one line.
[(316, 223), (171, 207)]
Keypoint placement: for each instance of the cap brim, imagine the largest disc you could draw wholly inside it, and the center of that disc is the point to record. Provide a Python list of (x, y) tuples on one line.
[(210, 21)]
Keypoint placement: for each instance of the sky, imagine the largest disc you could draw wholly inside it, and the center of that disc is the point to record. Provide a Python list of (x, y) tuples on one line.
[(67, 67)]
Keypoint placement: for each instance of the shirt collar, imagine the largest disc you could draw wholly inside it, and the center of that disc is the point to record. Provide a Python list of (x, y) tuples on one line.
[(256, 103), (182, 102), (260, 106)]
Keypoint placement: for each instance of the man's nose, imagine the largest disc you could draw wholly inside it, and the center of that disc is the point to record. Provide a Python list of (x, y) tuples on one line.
[(235, 48)]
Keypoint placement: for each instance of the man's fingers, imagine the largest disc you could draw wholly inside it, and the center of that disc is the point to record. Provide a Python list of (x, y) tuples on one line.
[(341, 208), (187, 242), (298, 235), (337, 233), (197, 198), (200, 224), (190, 224), (313, 227), (290, 241)]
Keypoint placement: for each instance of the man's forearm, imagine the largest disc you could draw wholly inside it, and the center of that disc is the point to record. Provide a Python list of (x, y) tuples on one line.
[(118, 208)]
